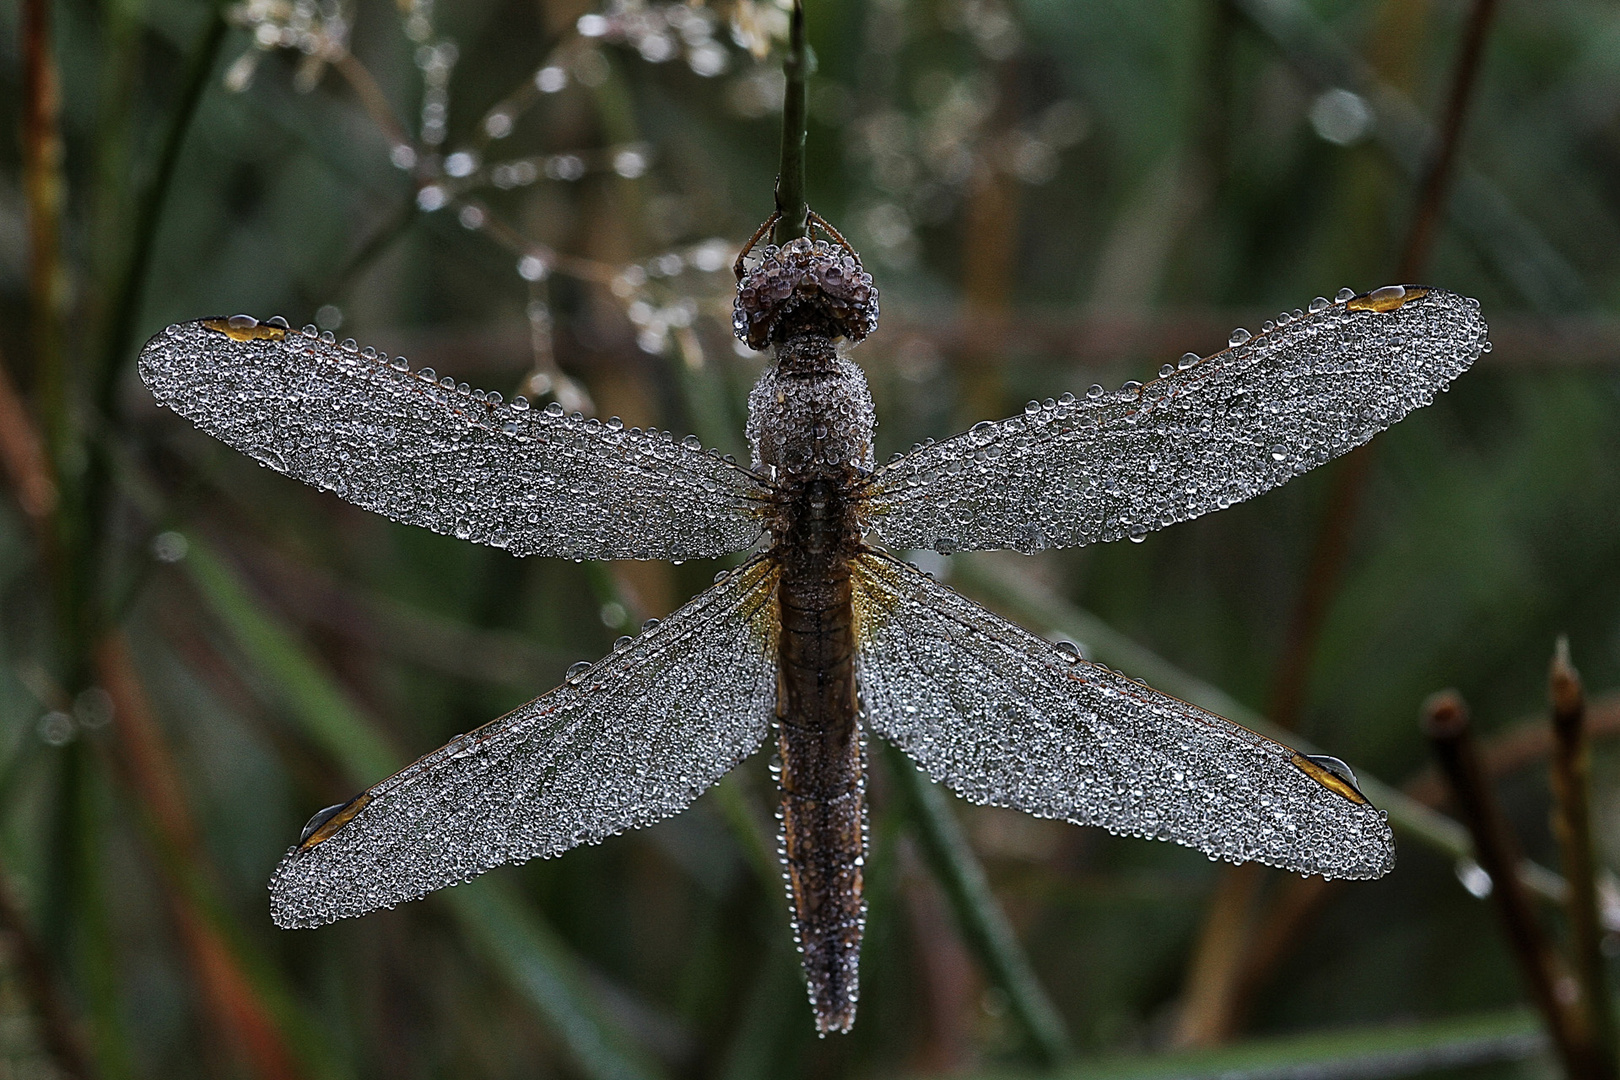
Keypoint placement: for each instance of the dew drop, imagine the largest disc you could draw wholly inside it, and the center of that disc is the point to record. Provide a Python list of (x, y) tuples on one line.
[(1319, 305), (1188, 359), (1239, 336), (321, 818), (1345, 294)]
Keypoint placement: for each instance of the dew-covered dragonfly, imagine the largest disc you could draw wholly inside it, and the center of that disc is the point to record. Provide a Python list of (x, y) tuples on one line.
[(822, 634)]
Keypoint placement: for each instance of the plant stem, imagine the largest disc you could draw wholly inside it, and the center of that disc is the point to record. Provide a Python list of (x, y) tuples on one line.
[(1446, 723), (1437, 177), (790, 198), (126, 299), (1572, 822), (43, 189)]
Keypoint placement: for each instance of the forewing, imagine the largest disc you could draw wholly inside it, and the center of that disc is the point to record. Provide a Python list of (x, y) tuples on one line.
[(1217, 432), (632, 740), (1004, 718), (451, 460)]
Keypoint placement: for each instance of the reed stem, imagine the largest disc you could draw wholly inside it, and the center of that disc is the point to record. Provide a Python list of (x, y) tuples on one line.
[(1572, 822), (790, 196), (1446, 723)]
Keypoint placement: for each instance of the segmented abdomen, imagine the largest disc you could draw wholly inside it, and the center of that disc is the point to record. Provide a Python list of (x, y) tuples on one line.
[(823, 787)]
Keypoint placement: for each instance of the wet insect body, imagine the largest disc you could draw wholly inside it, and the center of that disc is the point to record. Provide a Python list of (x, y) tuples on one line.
[(821, 635)]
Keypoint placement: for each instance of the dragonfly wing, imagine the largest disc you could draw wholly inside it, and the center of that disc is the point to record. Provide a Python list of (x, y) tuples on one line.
[(1005, 718), (633, 740), (401, 444), (1217, 432)]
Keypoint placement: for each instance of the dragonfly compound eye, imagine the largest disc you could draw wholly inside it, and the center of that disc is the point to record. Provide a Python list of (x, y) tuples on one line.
[(805, 286)]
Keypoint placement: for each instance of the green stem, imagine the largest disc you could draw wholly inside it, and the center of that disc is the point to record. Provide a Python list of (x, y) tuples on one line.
[(127, 294), (790, 201), (982, 922)]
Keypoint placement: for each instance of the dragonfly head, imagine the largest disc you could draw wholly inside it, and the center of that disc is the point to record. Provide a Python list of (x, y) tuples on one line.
[(804, 286)]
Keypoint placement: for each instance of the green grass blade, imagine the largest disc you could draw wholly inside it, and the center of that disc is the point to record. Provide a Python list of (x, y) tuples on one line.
[(1372, 1053), (983, 924), (538, 964)]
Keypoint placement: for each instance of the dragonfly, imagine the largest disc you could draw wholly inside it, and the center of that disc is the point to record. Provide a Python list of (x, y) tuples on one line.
[(823, 635)]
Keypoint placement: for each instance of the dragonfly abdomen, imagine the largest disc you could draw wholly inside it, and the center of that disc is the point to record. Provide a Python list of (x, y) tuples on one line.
[(821, 772)]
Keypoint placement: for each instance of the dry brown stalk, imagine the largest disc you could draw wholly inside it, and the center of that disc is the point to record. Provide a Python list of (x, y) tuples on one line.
[(1572, 823), (23, 456), (1446, 723)]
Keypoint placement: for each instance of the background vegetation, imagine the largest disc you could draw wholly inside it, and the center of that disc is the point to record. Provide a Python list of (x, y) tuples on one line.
[(545, 197)]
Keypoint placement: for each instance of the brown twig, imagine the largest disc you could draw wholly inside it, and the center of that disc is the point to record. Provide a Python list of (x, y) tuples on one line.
[(1572, 822), (43, 189), (1445, 722), (1431, 195), (1300, 899), (23, 456), (372, 98), (1210, 994), (1350, 478), (951, 987), (1522, 744)]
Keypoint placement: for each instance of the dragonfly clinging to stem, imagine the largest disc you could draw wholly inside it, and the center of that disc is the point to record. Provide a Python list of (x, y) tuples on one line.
[(822, 635)]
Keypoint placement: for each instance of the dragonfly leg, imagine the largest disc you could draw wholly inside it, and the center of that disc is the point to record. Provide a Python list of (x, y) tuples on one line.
[(759, 234), (838, 238)]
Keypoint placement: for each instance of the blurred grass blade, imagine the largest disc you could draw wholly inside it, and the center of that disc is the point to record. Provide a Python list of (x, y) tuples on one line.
[(983, 924), (536, 962), (1377, 1053), (526, 952), (772, 1018), (318, 705)]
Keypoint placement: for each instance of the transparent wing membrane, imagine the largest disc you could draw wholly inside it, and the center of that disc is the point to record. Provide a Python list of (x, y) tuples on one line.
[(459, 462), (629, 741), (1211, 433), (1005, 718)]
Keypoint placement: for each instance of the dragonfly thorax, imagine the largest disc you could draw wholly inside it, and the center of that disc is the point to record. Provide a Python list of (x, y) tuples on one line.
[(811, 411)]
